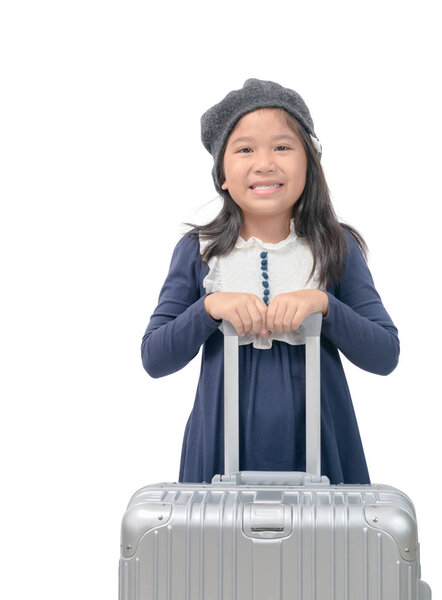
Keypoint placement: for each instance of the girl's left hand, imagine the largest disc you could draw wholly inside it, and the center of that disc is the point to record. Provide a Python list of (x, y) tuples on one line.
[(287, 311)]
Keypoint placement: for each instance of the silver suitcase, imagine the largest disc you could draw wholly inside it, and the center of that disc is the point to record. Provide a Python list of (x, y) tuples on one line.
[(256, 535)]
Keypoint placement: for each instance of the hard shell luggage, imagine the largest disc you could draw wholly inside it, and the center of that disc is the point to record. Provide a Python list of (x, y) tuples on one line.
[(270, 535)]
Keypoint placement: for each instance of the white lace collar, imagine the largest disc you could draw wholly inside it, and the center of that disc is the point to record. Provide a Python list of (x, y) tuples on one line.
[(255, 241)]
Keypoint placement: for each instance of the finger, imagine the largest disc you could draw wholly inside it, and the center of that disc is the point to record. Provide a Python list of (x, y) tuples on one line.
[(289, 315), (236, 320), (246, 318), (279, 317), (255, 316), (299, 317), (270, 316), (262, 310)]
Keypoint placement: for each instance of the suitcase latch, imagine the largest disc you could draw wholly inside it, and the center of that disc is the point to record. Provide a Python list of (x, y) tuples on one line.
[(267, 520)]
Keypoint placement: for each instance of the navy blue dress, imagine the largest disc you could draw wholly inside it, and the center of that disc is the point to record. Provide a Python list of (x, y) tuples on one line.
[(271, 381)]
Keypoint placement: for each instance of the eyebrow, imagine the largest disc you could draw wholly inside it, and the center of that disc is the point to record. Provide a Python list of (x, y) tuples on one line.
[(277, 137)]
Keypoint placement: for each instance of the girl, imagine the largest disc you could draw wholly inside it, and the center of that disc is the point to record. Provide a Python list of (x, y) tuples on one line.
[(274, 254)]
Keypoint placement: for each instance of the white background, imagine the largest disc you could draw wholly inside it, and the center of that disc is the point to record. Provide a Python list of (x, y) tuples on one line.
[(101, 163)]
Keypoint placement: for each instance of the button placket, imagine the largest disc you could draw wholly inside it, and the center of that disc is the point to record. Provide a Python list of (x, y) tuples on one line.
[(265, 276)]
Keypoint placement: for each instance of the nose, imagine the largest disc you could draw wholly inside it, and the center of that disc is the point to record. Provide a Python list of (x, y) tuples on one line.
[(264, 161)]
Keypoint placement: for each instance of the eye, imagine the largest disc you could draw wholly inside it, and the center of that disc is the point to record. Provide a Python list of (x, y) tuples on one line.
[(241, 149)]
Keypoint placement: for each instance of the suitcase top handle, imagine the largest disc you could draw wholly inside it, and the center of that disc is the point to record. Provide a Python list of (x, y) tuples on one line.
[(311, 329)]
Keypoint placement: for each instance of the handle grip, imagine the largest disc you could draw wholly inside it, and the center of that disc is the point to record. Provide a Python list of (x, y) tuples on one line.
[(280, 478), (311, 326)]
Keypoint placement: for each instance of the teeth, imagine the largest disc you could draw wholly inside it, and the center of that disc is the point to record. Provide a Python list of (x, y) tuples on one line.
[(266, 187)]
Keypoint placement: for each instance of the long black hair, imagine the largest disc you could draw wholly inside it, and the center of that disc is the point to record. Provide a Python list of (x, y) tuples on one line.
[(313, 214)]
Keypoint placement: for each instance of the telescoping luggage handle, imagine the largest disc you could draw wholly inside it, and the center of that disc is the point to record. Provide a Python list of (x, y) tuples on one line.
[(311, 328)]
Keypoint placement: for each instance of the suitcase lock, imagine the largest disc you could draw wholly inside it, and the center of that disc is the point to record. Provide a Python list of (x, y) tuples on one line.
[(266, 520)]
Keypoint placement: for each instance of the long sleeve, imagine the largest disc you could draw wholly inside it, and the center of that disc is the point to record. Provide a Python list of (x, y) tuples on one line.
[(180, 323), (357, 322)]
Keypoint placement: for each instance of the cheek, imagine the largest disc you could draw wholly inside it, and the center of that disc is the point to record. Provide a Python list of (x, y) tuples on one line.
[(301, 172), (229, 169), (236, 173)]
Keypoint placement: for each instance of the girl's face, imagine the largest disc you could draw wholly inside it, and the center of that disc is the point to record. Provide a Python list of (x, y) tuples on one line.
[(271, 154)]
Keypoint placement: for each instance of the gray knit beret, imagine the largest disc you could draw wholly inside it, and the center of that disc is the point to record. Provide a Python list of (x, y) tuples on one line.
[(218, 122)]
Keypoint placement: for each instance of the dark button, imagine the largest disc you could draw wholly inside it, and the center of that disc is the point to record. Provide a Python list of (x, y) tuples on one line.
[(263, 267), (265, 284), (266, 300), (266, 292), (264, 262), (263, 254), (265, 275)]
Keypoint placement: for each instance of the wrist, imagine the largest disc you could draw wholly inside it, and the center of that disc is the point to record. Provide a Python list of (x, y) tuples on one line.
[(325, 304), (208, 300), (206, 304)]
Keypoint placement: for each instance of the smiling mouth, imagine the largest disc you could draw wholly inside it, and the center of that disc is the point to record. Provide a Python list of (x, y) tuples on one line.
[(265, 190), (274, 186)]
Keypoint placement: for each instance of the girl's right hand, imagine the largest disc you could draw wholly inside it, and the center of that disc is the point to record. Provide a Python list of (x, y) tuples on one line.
[(246, 312)]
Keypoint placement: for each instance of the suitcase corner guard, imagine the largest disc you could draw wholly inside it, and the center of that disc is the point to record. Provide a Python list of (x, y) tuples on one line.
[(138, 520)]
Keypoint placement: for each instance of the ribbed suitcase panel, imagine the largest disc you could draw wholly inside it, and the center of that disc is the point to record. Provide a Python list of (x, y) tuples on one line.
[(202, 552), (129, 584)]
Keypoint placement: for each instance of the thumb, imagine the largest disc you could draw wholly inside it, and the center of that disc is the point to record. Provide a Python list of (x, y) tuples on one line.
[(262, 307)]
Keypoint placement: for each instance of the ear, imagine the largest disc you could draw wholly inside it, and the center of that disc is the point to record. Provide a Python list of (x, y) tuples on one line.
[(224, 185)]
